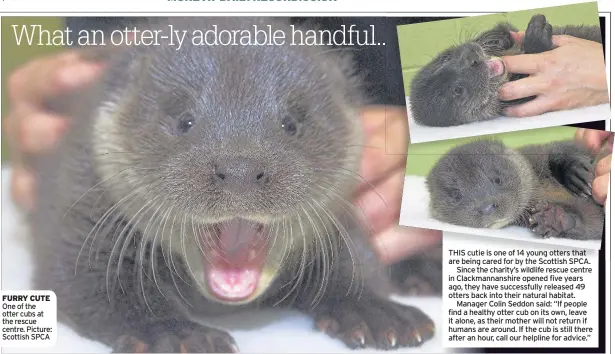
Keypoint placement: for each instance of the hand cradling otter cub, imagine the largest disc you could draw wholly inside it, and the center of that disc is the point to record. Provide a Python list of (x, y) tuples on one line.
[(461, 84), (206, 180), (547, 188)]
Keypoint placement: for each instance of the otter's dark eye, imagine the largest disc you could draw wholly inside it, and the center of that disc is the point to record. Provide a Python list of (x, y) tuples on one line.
[(185, 123), (290, 125), (497, 181), (458, 90), (494, 42)]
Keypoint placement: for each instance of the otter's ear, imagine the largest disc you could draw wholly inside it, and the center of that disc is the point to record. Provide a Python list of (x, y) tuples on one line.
[(498, 39), (505, 27), (350, 82), (128, 67)]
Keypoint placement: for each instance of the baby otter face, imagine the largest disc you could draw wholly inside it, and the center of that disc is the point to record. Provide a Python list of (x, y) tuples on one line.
[(482, 184), (459, 86), (238, 148)]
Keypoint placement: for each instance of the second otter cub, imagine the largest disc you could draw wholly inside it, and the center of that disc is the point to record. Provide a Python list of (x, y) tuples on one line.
[(461, 84), (485, 184)]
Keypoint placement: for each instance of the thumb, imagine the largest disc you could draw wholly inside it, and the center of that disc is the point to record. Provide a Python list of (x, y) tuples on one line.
[(563, 39), (400, 242)]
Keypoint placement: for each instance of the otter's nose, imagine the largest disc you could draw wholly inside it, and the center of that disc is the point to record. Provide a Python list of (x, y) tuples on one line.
[(487, 208), (240, 173), (468, 57)]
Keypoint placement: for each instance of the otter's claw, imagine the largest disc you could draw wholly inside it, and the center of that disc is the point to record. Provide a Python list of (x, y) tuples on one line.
[(130, 344), (374, 323), (176, 337), (549, 220), (578, 176)]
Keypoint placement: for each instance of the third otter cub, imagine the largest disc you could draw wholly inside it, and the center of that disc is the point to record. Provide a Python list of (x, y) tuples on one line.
[(461, 84), (485, 184)]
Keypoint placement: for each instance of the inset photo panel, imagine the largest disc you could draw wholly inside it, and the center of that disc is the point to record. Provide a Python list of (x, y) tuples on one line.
[(504, 72), (545, 185)]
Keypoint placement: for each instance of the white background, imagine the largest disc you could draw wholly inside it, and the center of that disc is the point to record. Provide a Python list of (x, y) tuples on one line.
[(471, 242)]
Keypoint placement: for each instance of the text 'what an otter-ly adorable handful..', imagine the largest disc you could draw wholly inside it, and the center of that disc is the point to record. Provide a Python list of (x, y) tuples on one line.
[(256, 35)]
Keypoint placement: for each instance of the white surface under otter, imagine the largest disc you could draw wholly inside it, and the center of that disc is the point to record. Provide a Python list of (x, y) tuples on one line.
[(265, 331), (421, 133), (415, 212)]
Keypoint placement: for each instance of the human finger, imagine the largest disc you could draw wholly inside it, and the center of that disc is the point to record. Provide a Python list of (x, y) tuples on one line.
[(372, 119), (562, 39), (604, 166), (39, 131), (593, 139), (524, 63), (381, 203), (22, 186), (539, 105), (385, 150), (526, 87), (600, 187), (578, 135), (44, 77), (399, 242)]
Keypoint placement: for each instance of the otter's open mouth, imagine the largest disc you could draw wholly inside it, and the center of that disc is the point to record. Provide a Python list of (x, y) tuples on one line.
[(235, 258), (496, 67)]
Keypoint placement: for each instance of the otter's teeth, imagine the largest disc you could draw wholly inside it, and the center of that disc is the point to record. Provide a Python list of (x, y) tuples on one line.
[(252, 254)]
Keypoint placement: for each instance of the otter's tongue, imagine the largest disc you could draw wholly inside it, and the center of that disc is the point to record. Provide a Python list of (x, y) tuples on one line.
[(236, 265), (496, 67)]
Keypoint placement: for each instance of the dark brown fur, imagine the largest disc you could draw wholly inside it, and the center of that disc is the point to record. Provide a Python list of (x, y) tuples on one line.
[(118, 278)]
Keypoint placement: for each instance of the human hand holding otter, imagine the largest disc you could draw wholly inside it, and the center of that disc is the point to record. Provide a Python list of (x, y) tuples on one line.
[(569, 76), (380, 194), (594, 140), (32, 130)]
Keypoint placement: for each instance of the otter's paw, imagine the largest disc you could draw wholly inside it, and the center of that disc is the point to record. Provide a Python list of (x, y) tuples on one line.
[(177, 337), (418, 276), (376, 324), (578, 176), (538, 35), (548, 220)]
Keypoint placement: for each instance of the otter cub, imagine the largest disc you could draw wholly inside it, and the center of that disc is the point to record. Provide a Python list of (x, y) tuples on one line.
[(485, 184), (461, 84), (205, 180)]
